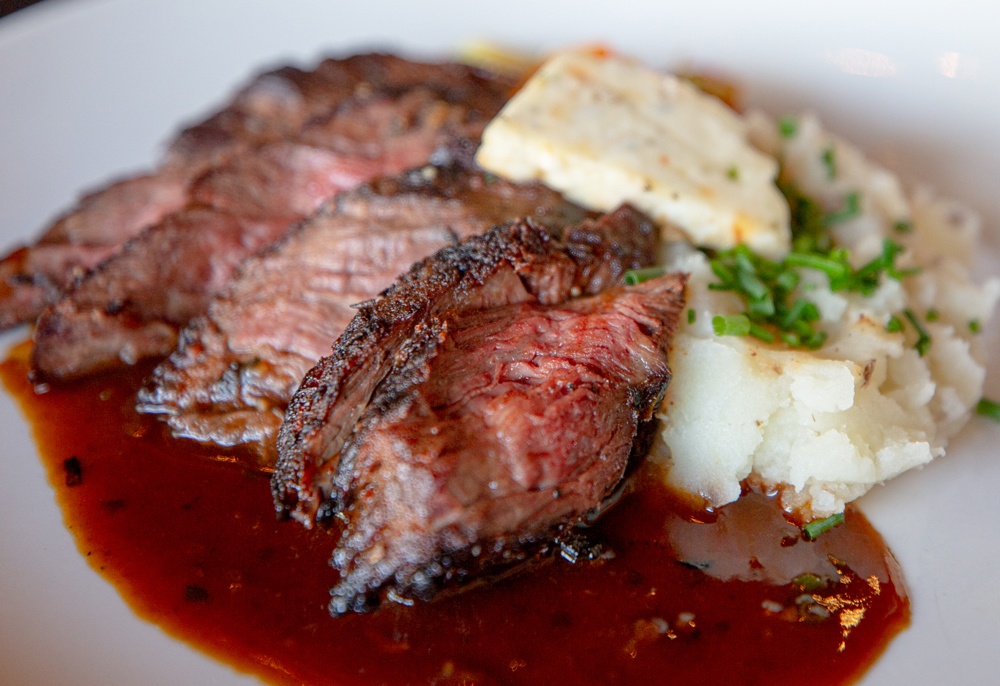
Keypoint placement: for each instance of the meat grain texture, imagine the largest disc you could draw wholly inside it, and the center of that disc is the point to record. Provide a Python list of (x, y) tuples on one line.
[(274, 106), (486, 402), (237, 366), (384, 115)]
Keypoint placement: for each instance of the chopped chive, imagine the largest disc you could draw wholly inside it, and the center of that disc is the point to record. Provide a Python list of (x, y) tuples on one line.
[(932, 315), (787, 280), (808, 582), (787, 126), (989, 409), (801, 327), (637, 276), (894, 325), (890, 249), (742, 255), (791, 339), (975, 326), (903, 226), (833, 268), (810, 312), (725, 274), (816, 340), (761, 333), (796, 313), (750, 284), (840, 254), (867, 276), (691, 315), (815, 528), (830, 162), (731, 325), (762, 308), (733, 173), (768, 288), (900, 274), (809, 231), (851, 209), (923, 344)]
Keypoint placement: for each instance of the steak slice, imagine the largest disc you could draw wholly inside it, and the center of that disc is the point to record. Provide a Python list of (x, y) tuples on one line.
[(33, 276), (476, 409), (236, 367), (274, 106), (133, 305)]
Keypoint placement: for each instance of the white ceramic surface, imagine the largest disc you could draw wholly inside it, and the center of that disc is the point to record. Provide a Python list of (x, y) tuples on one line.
[(90, 89)]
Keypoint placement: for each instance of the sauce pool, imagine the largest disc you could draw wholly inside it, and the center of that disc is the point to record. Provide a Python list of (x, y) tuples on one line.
[(189, 538)]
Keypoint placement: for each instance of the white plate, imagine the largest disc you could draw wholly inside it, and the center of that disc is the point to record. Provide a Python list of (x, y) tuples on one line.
[(90, 89)]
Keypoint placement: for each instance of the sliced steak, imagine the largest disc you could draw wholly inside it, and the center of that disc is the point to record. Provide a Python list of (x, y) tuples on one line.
[(274, 106), (476, 408), (236, 368), (126, 309)]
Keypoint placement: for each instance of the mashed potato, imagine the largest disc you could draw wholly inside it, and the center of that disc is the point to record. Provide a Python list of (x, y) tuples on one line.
[(896, 374), (823, 426)]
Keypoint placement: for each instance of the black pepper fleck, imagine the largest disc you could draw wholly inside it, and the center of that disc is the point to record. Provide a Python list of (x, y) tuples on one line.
[(74, 471), (195, 594)]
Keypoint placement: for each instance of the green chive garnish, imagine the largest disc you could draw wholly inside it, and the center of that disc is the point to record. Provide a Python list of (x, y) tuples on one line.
[(851, 209), (637, 276), (808, 582), (761, 333), (787, 126), (691, 315), (815, 340), (835, 269), (769, 288), (975, 326), (815, 528), (902, 226), (923, 344), (989, 409), (791, 339), (801, 311), (730, 325), (830, 162)]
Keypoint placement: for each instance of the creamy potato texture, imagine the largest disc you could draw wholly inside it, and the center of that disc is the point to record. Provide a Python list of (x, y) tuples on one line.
[(824, 426)]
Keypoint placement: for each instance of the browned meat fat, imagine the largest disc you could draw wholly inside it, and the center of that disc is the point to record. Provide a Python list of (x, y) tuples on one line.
[(487, 401), (236, 367), (393, 115)]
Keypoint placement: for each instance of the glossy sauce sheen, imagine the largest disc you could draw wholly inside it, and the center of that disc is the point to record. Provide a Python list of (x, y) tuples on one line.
[(192, 543)]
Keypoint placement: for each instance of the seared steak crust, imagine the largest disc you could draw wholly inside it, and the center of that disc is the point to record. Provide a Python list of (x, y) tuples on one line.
[(125, 310), (507, 427), (475, 409), (236, 367)]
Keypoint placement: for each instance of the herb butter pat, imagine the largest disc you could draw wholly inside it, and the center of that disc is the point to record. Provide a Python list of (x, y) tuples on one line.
[(605, 130)]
